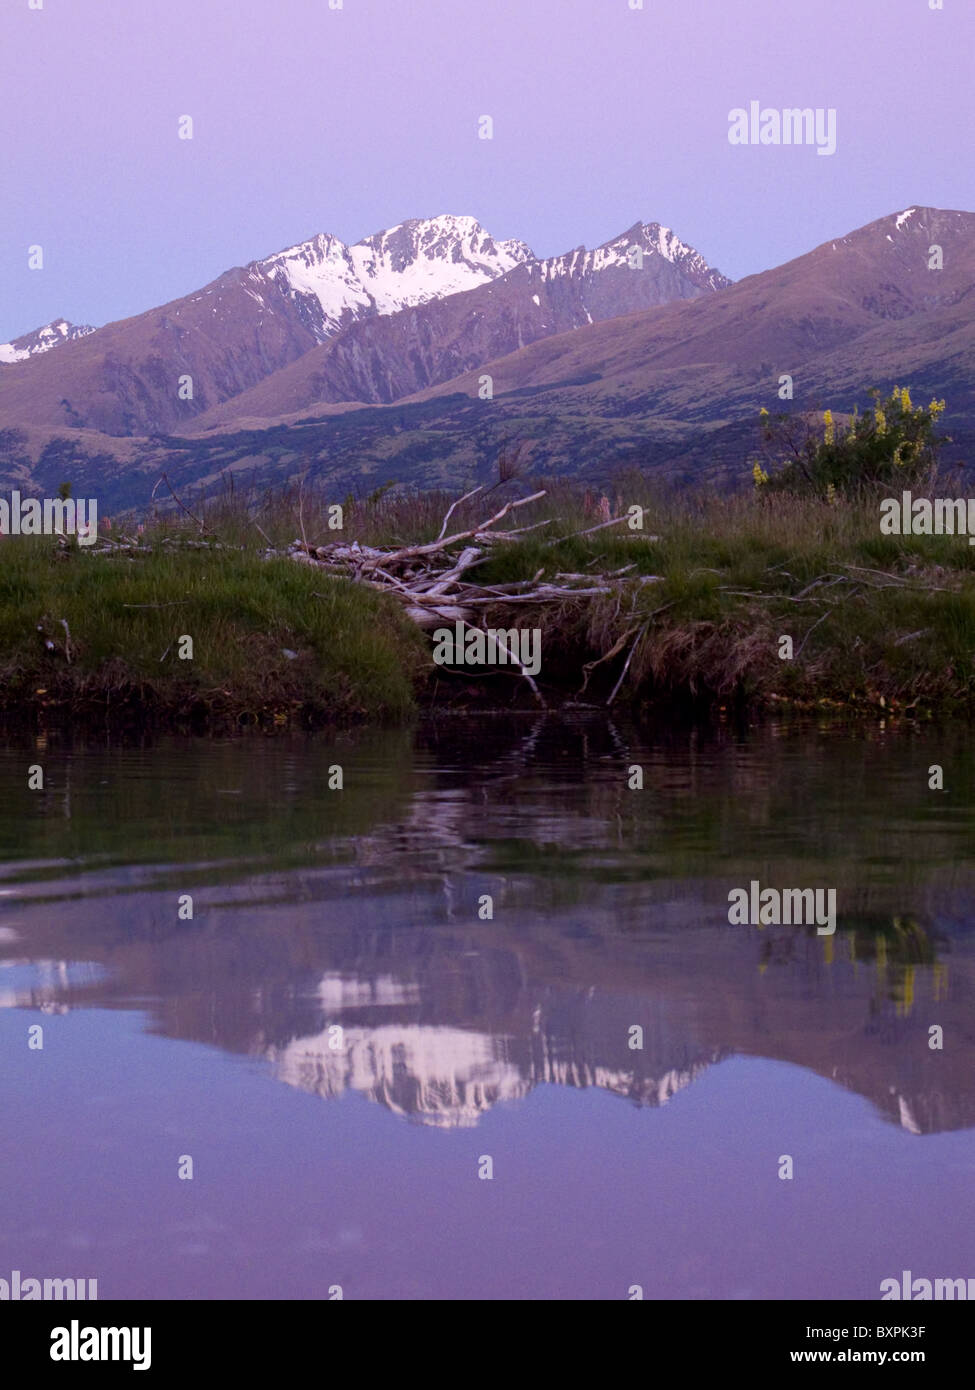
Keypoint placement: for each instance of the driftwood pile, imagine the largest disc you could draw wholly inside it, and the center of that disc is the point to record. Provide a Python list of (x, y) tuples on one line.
[(435, 584)]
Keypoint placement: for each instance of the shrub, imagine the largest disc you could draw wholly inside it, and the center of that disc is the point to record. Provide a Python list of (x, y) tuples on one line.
[(894, 444)]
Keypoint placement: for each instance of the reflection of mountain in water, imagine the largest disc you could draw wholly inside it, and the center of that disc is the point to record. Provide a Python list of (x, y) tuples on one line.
[(610, 912), (447, 1076), (441, 1023)]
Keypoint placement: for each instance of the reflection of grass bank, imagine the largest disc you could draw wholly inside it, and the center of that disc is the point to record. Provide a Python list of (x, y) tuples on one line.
[(875, 622), (271, 641), (231, 812)]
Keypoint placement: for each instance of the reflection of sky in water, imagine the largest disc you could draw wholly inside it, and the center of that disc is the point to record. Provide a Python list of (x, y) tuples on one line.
[(589, 1196), (336, 948)]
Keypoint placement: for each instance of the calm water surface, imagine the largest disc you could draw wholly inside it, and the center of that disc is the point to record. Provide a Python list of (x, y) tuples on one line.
[(339, 1039)]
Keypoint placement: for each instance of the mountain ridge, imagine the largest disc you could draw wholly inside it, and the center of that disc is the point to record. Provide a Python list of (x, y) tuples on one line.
[(674, 390), (388, 357), (158, 371)]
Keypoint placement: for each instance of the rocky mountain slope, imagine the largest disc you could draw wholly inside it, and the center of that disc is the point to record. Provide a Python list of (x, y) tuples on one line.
[(381, 359), (161, 370), (674, 388)]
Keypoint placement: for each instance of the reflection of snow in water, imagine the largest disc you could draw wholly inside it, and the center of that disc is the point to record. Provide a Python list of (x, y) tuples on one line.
[(445, 1076), (38, 984), (339, 992), (442, 1076), (908, 1121)]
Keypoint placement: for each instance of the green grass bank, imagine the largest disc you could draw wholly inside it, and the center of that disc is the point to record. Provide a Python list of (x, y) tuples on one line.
[(272, 641), (875, 622)]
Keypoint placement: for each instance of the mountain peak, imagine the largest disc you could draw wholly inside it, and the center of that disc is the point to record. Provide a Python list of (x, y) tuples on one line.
[(43, 339), (402, 266), (429, 258), (324, 321), (656, 243)]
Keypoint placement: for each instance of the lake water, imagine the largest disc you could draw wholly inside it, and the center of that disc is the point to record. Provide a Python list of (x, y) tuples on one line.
[(343, 1041)]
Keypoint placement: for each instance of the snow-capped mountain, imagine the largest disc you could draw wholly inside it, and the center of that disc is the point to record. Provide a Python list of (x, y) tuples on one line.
[(642, 268), (333, 284), (380, 357), (652, 241), (42, 340), (403, 309), (447, 1076)]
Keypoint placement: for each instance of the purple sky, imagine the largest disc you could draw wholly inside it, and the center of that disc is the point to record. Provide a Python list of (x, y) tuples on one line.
[(309, 119)]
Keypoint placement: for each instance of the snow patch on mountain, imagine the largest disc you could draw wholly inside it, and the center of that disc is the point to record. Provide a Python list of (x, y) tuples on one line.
[(406, 265), (652, 240), (320, 271), (422, 260), (42, 340)]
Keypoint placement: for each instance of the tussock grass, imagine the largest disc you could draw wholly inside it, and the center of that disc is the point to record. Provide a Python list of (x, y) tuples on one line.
[(890, 623), (876, 621), (272, 640)]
